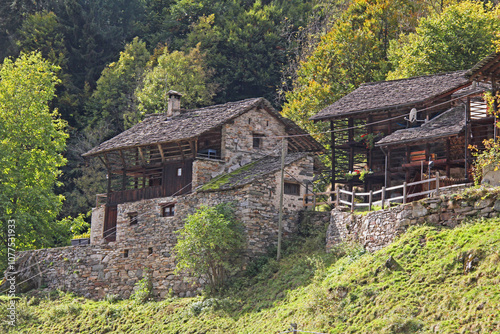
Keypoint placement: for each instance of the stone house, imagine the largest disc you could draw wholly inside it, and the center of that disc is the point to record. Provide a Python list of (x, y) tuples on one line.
[(162, 169)]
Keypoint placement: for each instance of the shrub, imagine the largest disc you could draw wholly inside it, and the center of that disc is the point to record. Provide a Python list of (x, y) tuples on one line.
[(143, 290), (211, 244)]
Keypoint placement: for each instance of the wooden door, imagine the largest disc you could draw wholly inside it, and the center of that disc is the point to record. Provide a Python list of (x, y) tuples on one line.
[(109, 233), (178, 177)]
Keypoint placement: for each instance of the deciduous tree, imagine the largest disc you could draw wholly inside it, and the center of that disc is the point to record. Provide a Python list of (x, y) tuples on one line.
[(32, 138), (453, 40)]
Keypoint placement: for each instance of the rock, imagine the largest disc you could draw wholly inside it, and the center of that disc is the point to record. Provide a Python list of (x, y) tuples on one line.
[(481, 204), (419, 210), (392, 264)]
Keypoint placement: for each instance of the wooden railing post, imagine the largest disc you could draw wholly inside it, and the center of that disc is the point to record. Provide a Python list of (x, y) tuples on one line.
[(383, 198), (352, 200), (437, 183), (404, 192), (314, 203), (337, 199), (370, 199)]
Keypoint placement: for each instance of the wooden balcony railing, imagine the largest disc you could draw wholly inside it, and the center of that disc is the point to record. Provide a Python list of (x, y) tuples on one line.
[(431, 187)]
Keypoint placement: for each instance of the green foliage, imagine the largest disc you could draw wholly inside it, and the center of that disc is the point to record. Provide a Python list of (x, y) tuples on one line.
[(455, 39), (113, 100), (489, 158), (32, 138), (353, 52), (210, 244), (78, 226), (179, 71), (143, 289), (345, 291), (42, 32)]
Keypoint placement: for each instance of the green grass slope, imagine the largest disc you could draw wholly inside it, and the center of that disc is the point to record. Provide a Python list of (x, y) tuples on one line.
[(437, 282)]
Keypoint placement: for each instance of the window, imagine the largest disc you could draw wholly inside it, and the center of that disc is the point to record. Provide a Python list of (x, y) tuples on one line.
[(257, 140), (292, 188), (150, 250), (125, 253), (132, 218), (179, 171), (168, 210)]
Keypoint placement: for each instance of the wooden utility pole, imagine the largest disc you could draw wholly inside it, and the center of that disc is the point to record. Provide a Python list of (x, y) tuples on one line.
[(282, 189)]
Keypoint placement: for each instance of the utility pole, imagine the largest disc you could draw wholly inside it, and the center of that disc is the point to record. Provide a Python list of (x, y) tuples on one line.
[(282, 187)]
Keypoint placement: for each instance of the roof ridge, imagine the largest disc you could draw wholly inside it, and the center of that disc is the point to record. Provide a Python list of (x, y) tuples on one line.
[(411, 78)]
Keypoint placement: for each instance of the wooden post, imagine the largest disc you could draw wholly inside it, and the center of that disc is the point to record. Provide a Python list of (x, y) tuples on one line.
[(437, 183), (282, 187), (404, 192), (383, 198), (314, 202), (332, 146), (352, 200), (467, 118), (337, 200), (370, 199)]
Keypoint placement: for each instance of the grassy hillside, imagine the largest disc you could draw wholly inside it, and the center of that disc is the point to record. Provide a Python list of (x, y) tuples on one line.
[(438, 282)]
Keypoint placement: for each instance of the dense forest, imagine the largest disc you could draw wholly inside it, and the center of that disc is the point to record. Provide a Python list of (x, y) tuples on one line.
[(114, 61)]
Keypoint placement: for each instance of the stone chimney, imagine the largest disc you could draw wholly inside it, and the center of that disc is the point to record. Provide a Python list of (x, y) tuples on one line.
[(174, 102)]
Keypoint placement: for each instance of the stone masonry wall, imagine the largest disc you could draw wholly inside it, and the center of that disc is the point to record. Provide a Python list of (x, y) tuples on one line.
[(377, 229), (237, 138), (205, 169), (114, 267), (97, 227)]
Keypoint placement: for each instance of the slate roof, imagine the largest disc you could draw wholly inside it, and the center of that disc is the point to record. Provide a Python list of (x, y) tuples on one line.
[(485, 68), (250, 172), (386, 95), (158, 128), (449, 123)]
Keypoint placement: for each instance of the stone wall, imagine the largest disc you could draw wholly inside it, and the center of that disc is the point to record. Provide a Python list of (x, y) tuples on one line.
[(204, 170), (237, 138), (147, 240), (97, 227), (377, 229)]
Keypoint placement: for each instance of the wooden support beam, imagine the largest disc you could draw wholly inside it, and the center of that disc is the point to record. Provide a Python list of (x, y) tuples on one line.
[(124, 175), (332, 145), (141, 154), (160, 148)]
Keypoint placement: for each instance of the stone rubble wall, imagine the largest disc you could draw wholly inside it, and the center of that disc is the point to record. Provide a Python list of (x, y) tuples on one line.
[(103, 268), (378, 229), (237, 138), (205, 169)]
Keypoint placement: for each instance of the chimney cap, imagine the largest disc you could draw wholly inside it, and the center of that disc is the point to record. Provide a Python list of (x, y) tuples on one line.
[(173, 93)]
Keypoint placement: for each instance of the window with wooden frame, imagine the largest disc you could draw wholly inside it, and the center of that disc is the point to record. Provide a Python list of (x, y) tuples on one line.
[(258, 140), (292, 188), (132, 218), (168, 210)]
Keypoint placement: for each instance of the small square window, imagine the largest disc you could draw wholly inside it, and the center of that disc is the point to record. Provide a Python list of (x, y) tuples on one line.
[(292, 188), (132, 218), (257, 140), (168, 210), (179, 171)]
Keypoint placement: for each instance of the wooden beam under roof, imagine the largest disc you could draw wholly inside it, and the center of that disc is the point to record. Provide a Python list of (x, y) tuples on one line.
[(141, 154), (161, 153)]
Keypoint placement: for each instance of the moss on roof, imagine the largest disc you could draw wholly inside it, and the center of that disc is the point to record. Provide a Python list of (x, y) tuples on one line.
[(249, 172)]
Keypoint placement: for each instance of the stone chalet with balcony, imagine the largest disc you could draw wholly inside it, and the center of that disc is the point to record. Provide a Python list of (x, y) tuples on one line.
[(165, 167)]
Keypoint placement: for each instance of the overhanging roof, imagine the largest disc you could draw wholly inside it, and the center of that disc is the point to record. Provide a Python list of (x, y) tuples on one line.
[(392, 94), (158, 128), (486, 69), (449, 123)]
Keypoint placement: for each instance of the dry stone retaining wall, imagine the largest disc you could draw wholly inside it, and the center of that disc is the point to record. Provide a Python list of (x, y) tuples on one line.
[(377, 229)]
